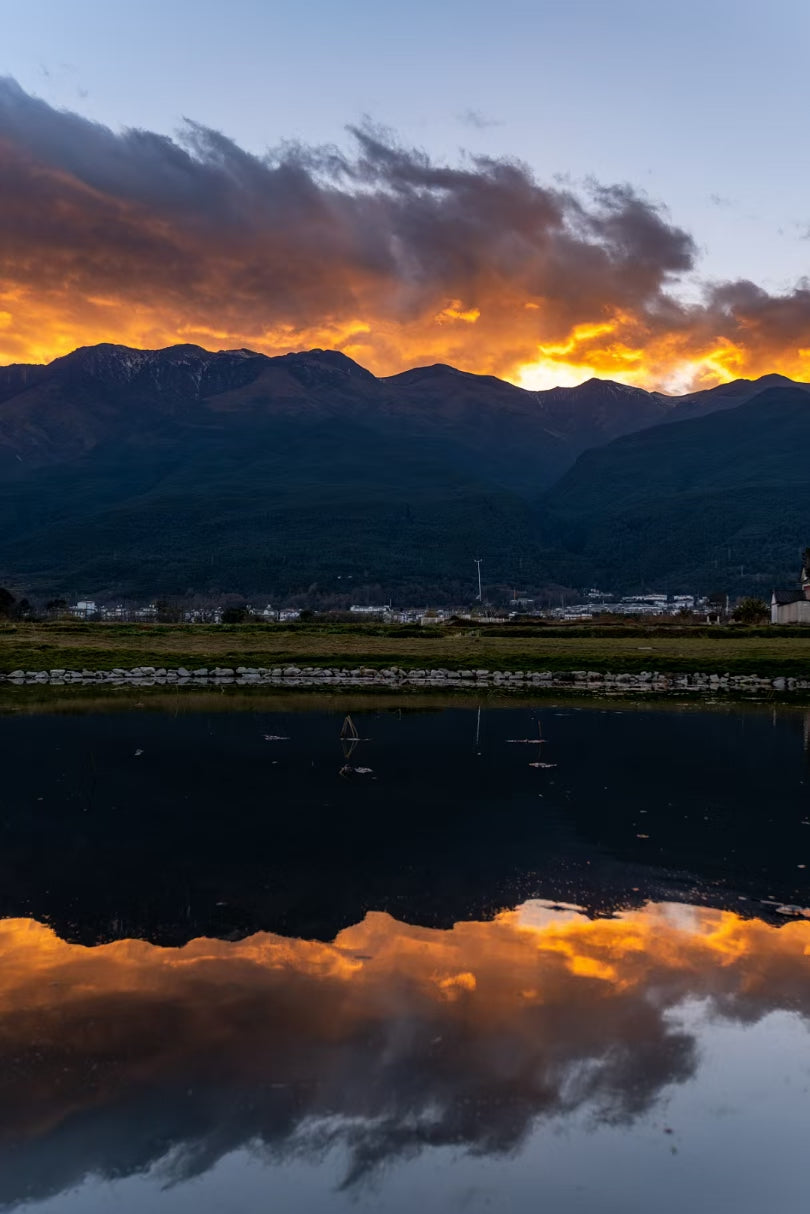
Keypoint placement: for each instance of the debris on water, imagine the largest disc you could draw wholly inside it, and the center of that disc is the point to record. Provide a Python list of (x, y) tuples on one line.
[(348, 729), (542, 765), (642, 836), (274, 737), (364, 771), (138, 752)]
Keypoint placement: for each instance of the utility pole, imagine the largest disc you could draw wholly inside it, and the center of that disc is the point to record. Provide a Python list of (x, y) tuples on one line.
[(480, 594)]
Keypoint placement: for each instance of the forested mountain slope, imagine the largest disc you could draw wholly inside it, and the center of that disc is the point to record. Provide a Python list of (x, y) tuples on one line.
[(720, 501), (136, 473)]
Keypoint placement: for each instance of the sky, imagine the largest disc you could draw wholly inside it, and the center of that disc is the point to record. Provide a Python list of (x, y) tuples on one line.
[(664, 243)]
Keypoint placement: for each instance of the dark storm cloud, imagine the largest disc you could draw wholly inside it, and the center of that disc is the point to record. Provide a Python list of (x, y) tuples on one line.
[(312, 236), (382, 251), (766, 319)]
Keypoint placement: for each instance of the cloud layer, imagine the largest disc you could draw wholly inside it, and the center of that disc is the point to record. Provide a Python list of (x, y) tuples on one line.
[(382, 253)]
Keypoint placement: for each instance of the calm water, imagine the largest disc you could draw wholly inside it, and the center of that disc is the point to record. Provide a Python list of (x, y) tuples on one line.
[(249, 965)]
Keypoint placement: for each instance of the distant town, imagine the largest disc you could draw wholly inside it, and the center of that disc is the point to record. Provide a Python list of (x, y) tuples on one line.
[(790, 606), (593, 604)]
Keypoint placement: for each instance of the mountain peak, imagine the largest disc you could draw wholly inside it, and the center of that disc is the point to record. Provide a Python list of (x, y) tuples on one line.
[(306, 362), (180, 353), (589, 387), (775, 379), (444, 372), (102, 360)]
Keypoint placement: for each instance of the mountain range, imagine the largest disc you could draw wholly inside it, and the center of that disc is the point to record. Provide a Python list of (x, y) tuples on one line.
[(135, 473)]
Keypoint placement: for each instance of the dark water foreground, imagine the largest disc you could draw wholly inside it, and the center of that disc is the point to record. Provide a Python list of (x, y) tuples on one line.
[(248, 965)]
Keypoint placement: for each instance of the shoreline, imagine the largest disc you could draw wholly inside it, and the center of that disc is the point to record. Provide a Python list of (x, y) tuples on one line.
[(404, 679)]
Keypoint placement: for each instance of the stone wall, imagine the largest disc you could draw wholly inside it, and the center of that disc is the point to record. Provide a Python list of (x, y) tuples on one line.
[(397, 678)]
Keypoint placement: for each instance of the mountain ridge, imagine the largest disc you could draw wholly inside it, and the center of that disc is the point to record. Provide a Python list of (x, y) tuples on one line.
[(590, 413), (133, 472)]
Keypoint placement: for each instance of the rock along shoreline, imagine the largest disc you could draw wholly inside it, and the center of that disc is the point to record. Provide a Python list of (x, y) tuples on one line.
[(397, 678)]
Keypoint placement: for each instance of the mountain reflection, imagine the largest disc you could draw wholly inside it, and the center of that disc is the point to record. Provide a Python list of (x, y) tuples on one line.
[(389, 1040)]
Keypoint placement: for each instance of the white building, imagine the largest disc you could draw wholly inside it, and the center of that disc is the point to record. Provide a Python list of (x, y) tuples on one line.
[(85, 609), (683, 602), (793, 606)]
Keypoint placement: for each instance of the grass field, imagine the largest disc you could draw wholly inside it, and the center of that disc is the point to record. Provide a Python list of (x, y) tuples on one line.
[(76, 645)]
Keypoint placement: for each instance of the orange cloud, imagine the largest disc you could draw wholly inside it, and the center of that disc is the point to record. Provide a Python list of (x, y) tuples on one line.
[(383, 254)]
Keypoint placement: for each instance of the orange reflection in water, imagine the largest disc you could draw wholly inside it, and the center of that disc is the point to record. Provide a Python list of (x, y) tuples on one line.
[(546, 1006)]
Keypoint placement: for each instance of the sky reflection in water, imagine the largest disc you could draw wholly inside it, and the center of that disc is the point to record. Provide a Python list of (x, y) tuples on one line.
[(366, 1058), (655, 1058)]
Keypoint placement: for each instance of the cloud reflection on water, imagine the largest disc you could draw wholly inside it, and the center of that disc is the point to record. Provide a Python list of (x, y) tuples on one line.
[(390, 1040)]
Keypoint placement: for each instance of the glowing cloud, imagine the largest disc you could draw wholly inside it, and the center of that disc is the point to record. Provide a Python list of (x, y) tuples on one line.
[(382, 253)]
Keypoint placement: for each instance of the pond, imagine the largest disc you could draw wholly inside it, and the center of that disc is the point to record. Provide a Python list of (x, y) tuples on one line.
[(350, 955)]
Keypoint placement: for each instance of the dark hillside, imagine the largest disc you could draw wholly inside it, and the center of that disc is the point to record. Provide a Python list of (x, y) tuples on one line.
[(142, 473), (718, 502)]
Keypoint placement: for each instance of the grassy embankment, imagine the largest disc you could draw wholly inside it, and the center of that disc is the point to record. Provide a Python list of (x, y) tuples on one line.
[(76, 646)]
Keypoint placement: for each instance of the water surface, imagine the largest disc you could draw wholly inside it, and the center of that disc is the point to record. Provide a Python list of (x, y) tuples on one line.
[(248, 964)]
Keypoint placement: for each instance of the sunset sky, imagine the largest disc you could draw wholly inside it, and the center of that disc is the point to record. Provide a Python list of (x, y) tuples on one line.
[(543, 191)]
